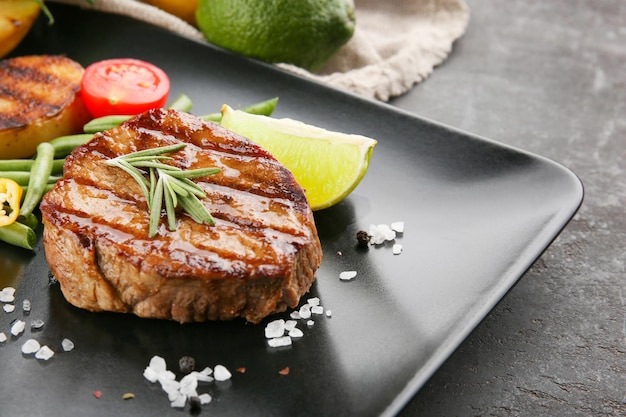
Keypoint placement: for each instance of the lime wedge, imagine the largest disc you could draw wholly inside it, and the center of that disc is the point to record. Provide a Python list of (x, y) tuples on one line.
[(328, 165)]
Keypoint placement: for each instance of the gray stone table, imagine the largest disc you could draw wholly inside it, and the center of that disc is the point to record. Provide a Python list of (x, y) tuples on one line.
[(548, 77)]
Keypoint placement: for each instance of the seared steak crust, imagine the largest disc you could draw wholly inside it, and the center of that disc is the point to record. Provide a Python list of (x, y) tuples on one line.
[(259, 258)]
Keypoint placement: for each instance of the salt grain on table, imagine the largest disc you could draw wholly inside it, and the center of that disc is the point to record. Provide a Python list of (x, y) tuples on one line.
[(67, 345), (8, 308), (3, 337), (275, 328), (315, 301), (7, 295), (26, 306), (220, 373), (290, 325), (279, 341), (397, 249), (296, 333), (30, 346), (381, 233), (44, 353), (347, 275), (36, 324), (305, 311), (397, 227), (18, 327), (205, 398), (317, 310)]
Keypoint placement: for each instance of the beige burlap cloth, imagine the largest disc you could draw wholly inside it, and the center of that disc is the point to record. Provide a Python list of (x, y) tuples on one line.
[(396, 43)]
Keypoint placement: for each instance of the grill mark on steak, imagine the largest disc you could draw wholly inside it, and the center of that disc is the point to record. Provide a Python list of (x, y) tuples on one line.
[(259, 258)]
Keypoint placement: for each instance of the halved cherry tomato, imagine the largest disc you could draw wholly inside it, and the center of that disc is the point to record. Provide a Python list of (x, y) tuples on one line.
[(123, 86)]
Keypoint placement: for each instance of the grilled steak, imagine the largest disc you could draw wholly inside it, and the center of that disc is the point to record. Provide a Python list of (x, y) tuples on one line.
[(259, 258), (39, 101)]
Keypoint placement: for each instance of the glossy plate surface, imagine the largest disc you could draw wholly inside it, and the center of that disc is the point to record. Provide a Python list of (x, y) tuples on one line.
[(477, 214)]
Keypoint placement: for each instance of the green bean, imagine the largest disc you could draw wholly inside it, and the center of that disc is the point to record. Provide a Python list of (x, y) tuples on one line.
[(57, 165), (104, 123), (20, 177), (64, 145), (8, 165), (263, 108), (51, 181), (182, 103), (30, 220), (18, 234), (23, 177), (39, 174)]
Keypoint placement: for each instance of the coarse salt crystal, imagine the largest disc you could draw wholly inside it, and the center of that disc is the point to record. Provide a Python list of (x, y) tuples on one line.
[(36, 324), (44, 353), (397, 249), (305, 311), (296, 333), (26, 306), (67, 345), (18, 327), (221, 373), (347, 275), (279, 341), (397, 227), (3, 337), (315, 301), (158, 364), (317, 310), (166, 377), (30, 346), (7, 295), (179, 401), (150, 374), (199, 376), (295, 315), (171, 387), (290, 325), (329, 313), (8, 308), (275, 328), (310, 323), (205, 398), (188, 385), (380, 233)]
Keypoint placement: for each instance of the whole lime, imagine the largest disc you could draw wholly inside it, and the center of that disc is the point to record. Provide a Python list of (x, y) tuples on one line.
[(305, 33)]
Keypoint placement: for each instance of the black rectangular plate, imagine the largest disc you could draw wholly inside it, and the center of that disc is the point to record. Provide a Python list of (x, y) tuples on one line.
[(477, 215)]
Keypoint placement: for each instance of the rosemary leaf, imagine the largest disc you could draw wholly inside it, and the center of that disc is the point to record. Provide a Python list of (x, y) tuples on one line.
[(153, 181), (155, 210), (155, 151), (171, 201), (173, 183), (166, 185), (191, 187), (196, 210), (195, 173)]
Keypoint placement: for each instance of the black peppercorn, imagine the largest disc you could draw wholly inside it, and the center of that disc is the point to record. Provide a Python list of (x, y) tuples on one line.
[(363, 237), (186, 364)]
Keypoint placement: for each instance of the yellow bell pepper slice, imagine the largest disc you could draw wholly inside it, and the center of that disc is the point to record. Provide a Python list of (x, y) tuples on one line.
[(10, 197)]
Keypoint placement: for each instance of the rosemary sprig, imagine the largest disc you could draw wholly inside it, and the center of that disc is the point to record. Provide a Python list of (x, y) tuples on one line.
[(166, 185)]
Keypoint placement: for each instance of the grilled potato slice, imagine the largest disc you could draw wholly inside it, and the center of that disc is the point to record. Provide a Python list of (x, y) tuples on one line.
[(39, 101), (16, 19)]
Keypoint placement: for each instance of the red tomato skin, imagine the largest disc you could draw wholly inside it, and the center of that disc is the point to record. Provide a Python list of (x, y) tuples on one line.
[(123, 86)]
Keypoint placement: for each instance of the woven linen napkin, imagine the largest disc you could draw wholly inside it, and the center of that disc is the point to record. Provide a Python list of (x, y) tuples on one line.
[(396, 43)]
